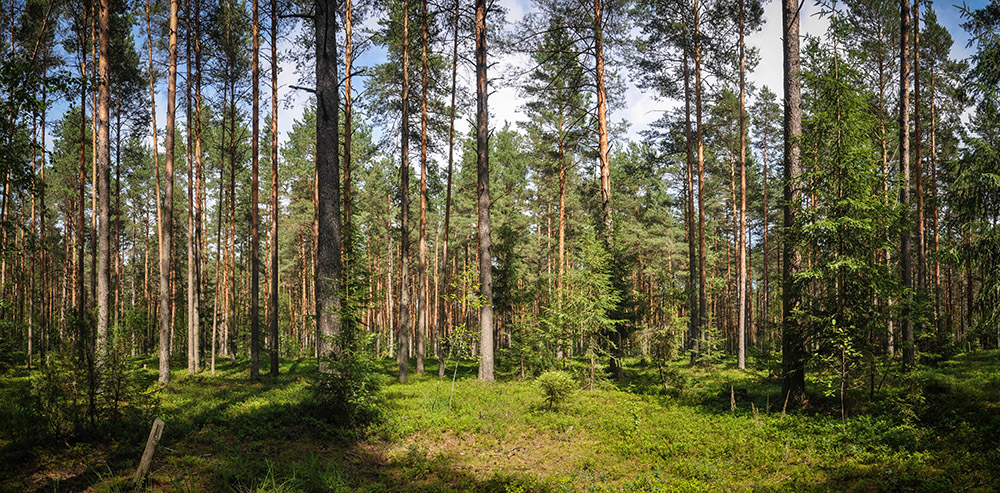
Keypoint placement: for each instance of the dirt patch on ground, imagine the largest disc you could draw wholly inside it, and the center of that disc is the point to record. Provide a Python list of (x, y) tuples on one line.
[(544, 454)]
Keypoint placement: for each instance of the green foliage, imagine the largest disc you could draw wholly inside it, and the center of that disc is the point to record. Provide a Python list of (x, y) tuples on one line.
[(73, 396), (932, 431), (588, 301), (349, 393), (556, 387)]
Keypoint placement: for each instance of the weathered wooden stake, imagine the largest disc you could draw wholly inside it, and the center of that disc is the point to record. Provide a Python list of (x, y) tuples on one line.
[(147, 455)]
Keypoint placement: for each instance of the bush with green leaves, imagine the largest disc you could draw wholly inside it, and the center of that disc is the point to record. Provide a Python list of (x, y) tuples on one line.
[(556, 387), (349, 393), (75, 395)]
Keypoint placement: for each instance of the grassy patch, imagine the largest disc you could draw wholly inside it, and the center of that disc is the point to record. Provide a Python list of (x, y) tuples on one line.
[(224, 433)]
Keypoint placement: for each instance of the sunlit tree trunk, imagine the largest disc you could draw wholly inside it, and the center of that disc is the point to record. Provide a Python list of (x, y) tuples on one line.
[(273, 312), (742, 253), (483, 193), (702, 294), (403, 323), (254, 209), (422, 298), (328, 239), (103, 178), (904, 174), (693, 311), (168, 203), (199, 180), (445, 311), (192, 265)]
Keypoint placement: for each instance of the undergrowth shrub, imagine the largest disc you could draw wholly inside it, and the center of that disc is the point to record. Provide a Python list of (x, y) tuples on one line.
[(349, 393), (73, 396), (556, 386)]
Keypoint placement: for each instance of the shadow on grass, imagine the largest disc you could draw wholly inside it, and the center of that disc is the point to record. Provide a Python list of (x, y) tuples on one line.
[(312, 464), (224, 433)]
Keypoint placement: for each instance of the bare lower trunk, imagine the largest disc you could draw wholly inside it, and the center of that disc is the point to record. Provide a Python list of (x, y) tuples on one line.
[(793, 338), (273, 311), (447, 201), (483, 193), (422, 310), (904, 173), (254, 210), (403, 323), (103, 184), (742, 250)]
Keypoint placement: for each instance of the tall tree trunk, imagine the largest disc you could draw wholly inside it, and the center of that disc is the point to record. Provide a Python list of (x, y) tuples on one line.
[(199, 179), (93, 159), (793, 384), (447, 200), (693, 312), (328, 268), (602, 122), (168, 204), (934, 209), (192, 304), (403, 323), (347, 233), (605, 164), (80, 231), (483, 189), (560, 256), (904, 172), (44, 315), (764, 254), (917, 159), (702, 294), (103, 183), (742, 254), (273, 312), (422, 299), (254, 209), (348, 130)]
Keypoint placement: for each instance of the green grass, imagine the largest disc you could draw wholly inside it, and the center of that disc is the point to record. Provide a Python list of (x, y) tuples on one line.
[(937, 429)]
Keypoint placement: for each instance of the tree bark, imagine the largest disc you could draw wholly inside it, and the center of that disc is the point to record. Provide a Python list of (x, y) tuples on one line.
[(793, 338), (483, 189), (80, 233), (328, 245), (403, 322), (273, 312), (254, 210), (904, 173), (168, 204), (199, 180), (422, 298), (103, 183), (693, 312), (192, 304), (602, 122), (447, 201), (702, 294), (742, 253), (934, 209)]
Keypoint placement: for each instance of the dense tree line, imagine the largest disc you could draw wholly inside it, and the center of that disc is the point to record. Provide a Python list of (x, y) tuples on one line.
[(854, 232)]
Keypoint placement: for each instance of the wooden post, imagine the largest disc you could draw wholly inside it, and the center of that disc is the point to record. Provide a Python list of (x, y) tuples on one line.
[(147, 455)]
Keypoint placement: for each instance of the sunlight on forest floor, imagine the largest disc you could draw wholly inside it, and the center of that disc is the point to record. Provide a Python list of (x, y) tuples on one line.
[(938, 429)]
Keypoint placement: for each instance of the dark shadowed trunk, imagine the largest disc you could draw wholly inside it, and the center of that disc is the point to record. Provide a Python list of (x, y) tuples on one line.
[(328, 184), (793, 385)]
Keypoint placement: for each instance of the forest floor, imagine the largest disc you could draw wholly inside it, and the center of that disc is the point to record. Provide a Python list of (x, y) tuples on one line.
[(936, 429)]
